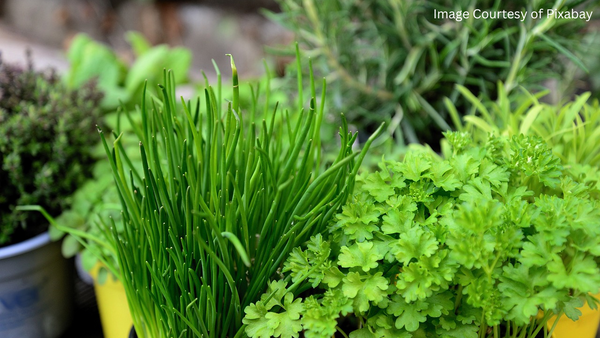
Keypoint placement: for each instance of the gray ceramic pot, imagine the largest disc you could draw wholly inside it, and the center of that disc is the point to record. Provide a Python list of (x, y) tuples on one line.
[(35, 289)]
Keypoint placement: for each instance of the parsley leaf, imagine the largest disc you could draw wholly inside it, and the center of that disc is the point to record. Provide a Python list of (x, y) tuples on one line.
[(359, 255)]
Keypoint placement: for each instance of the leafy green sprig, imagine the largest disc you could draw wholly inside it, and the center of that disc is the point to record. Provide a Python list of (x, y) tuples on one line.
[(570, 128), (474, 245), (218, 206)]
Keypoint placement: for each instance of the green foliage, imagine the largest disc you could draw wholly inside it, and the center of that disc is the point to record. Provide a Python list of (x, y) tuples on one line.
[(45, 148), (571, 129), (576, 80), (95, 200), (98, 198), (473, 245), (392, 60), (217, 206), (120, 83)]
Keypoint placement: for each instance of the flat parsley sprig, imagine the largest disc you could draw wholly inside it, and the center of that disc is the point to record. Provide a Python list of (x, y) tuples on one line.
[(491, 241)]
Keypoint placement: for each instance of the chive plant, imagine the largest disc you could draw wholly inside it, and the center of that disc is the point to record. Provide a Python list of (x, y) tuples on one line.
[(220, 202)]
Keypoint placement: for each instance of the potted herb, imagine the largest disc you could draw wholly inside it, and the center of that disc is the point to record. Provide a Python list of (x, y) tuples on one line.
[(218, 205), (44, 156), (82, 235), (98, 198), (570, 129), (490, 241)]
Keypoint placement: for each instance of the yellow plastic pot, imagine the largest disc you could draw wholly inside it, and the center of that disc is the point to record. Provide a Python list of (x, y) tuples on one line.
[(112, 305), (585, 327)]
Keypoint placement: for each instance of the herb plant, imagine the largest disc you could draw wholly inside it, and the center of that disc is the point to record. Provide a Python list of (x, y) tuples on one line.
[(98, 198), (122, 84), (217, 207), (392, 60), (570, 129), (45, 148), (490, 242)]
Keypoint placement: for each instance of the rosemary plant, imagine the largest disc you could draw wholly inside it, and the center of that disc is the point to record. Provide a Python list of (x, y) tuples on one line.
[(395, 60), (218, 206)]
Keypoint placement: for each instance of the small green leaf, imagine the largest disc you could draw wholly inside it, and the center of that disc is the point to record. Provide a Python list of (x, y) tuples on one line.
[(70, 246), (572, 308), (364, 289), (442, 175), (257, 325), (462, 331), (359, 255), (333, 277), (238, 247), (408, 315), (378, 188), (88, 260), (138, 42), (363, 333), (397, 221), (414, 244), (414, 165), (532, 114), (102, 276), (287, 323), (145, 68)]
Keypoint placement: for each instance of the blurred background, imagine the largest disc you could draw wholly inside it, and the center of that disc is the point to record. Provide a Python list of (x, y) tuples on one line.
[(209, 28)]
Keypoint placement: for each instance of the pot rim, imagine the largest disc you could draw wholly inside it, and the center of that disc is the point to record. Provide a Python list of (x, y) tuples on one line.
[(25, 246)]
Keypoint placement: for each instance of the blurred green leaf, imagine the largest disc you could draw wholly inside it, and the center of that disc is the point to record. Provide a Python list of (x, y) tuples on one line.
[(145, 68), (102, 276), (138, 42), (565, 52), (70, 246), (179, 60), (88, 260)]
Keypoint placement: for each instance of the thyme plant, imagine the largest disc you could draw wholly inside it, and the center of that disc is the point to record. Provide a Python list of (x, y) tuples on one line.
[(45, 148), (218, 206)]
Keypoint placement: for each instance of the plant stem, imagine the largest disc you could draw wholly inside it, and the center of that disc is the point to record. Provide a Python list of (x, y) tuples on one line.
[(341, 331), (458, 298)]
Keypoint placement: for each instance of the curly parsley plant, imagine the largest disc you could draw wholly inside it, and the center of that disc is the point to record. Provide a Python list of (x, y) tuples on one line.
[(491, 241)]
